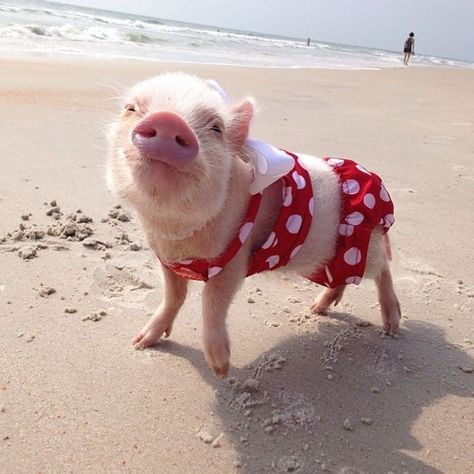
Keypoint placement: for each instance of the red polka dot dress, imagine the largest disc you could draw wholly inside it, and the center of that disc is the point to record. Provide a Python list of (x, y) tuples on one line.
[(365, 204)]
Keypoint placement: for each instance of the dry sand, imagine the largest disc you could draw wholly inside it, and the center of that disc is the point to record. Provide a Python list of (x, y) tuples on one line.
[(306, 394)]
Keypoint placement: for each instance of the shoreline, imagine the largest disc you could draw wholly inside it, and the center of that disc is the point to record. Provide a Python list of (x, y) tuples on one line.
[(24, 56)]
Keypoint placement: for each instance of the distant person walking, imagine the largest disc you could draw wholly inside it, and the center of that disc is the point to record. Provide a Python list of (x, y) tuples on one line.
[(409, 48)]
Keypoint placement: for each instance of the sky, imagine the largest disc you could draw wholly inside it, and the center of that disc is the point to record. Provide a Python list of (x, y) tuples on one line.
[(442, 27)]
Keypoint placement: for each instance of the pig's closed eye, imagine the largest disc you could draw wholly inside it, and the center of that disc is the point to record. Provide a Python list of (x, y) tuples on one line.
[(216, 128), (130, 108)]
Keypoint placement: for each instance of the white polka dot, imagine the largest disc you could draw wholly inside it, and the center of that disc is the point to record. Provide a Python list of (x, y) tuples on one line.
[(352, 256), (293, 224), (388, 220), (245, 231), (346, 229), (268, 243), (353, 279), (351, 186), (213, 271), (295, 251), (311, 206), (186, 262), (369, 200), (361, 168), (335, 162), (384, 194), (272, 261), (328, 274), (288, 197), (275, 243), (354, 218), (299, 180)]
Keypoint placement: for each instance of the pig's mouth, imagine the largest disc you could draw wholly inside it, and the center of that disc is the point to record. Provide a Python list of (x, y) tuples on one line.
[(150, 171)]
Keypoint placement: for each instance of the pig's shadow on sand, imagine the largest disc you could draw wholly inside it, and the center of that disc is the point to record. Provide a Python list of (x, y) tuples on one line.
[(390, 381)]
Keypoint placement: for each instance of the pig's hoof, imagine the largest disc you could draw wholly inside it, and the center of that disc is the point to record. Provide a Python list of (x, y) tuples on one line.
[(217, 356), (143, 342), (220, 367), (391, 329), (149, 337), (319, 307), (326, 298), (391, 314), (221, 371)]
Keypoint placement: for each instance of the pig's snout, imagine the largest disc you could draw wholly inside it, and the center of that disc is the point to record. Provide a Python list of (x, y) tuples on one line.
[(165, 136)]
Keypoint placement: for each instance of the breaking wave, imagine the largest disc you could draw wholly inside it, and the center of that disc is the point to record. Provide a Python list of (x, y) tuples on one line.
[(73, 33), (28, 26)]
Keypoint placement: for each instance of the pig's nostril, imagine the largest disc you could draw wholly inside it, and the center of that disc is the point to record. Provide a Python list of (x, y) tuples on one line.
[(147, 132), (181, 141)]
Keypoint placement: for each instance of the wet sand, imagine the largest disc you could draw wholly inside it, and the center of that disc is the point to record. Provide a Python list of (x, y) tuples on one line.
[(306, 393)]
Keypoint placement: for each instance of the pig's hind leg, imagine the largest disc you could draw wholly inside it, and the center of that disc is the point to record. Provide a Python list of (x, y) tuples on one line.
[(326, 298), (378, 268), (389, 304), (175, 289)]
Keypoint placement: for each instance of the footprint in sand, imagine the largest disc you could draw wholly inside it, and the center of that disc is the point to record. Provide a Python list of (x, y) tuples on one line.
[(461, 171), (122, 285), (384, 363)]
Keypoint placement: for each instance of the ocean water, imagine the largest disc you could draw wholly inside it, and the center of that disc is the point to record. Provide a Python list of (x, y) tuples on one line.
[(40, 28)]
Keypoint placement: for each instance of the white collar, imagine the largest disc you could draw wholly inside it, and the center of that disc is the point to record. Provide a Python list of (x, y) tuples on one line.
[(269, 163)]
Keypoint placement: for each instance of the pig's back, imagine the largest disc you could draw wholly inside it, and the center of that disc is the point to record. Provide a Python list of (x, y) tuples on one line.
[(320, 243)]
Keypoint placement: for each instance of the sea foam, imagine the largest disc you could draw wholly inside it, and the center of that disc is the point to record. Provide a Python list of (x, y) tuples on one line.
[(33, 26)]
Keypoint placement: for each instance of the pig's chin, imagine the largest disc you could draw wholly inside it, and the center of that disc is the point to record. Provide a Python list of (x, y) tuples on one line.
[(158, 177)]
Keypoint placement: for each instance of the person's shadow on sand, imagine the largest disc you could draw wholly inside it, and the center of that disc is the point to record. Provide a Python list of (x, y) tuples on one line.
[(353, 415)]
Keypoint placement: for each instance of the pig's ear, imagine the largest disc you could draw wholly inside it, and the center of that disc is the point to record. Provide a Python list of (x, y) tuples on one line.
[(241, 116)]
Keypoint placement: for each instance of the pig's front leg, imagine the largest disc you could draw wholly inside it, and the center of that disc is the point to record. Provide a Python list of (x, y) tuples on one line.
[(175, 289), (216, 299)]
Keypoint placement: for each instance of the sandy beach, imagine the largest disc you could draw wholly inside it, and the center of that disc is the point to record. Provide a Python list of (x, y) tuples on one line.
[(327, 393)]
